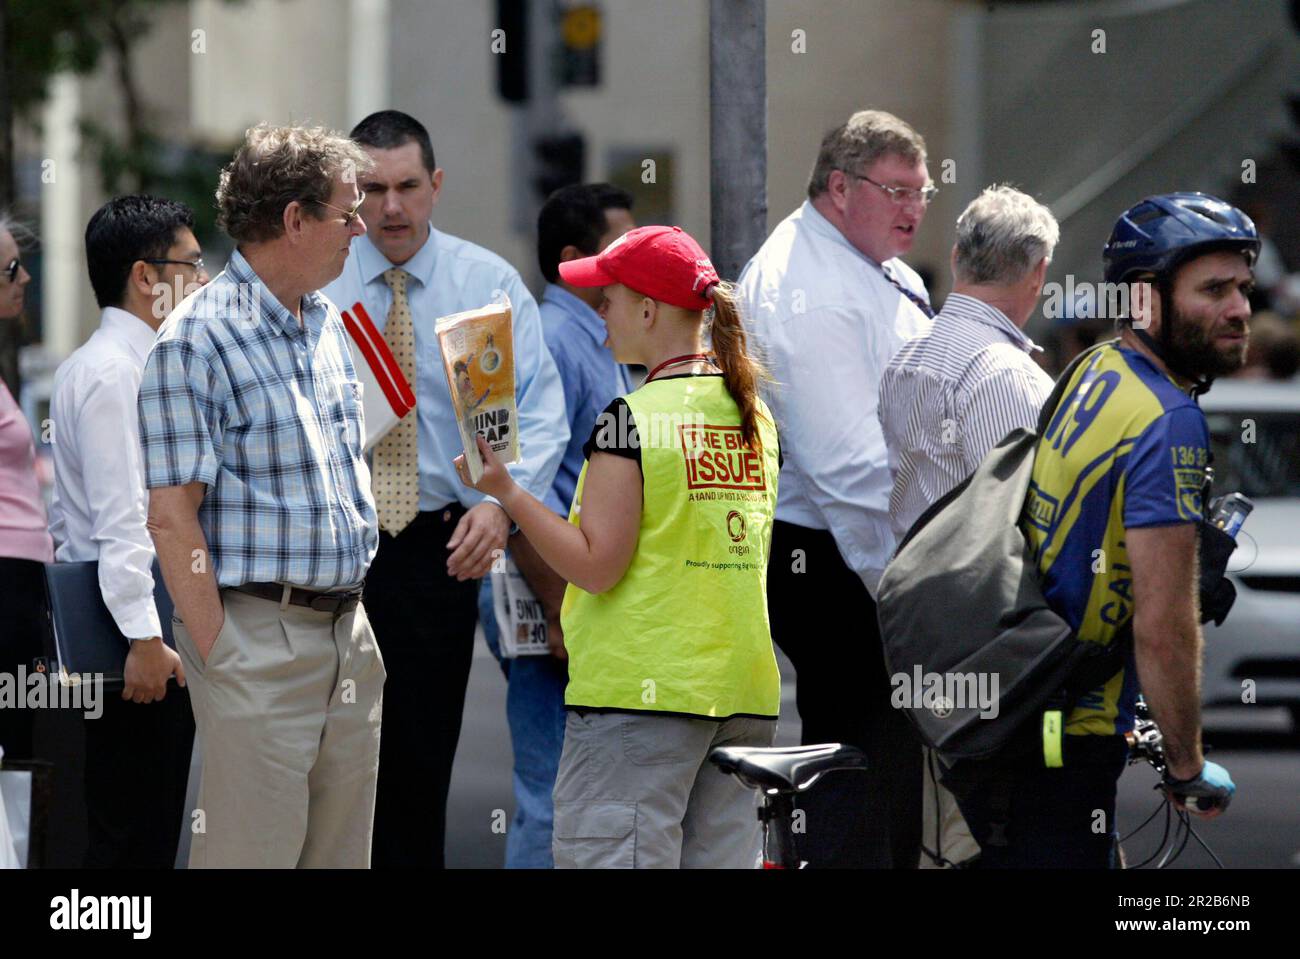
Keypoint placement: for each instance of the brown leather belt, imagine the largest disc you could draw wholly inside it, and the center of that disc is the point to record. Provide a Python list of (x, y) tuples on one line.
[(335, 602)]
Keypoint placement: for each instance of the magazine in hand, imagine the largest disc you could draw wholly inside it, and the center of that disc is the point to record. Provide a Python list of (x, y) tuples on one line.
[(478, 354)]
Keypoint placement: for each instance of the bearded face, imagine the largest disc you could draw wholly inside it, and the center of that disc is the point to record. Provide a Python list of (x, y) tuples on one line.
[(1215, 351), (1210, 314)]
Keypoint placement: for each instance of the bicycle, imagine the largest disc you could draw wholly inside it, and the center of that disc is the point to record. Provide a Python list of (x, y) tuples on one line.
[(779, 774), (1146, 744)]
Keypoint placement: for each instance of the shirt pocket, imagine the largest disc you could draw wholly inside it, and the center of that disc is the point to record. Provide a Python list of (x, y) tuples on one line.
[(346, 427), (346, 416)]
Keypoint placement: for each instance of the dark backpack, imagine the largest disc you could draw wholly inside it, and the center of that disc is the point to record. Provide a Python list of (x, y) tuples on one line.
[(962, 597)]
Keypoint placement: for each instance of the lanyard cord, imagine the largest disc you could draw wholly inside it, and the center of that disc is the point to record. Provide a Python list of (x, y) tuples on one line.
[(676, 361)]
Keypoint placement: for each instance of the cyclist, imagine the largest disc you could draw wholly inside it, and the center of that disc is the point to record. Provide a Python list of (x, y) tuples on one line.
[(665, 552), (1113, 517)]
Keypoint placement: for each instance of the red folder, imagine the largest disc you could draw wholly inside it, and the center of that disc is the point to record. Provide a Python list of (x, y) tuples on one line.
[(385, 395)]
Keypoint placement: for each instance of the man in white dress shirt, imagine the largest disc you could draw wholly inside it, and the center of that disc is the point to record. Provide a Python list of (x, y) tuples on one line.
[(828, 303), (951, 395), (143, 259)]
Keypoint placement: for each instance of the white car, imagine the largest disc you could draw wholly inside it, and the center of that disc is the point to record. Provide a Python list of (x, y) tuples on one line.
[(1255, 437)]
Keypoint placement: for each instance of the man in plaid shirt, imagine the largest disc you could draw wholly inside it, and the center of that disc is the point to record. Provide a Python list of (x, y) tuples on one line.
[(263, 520)]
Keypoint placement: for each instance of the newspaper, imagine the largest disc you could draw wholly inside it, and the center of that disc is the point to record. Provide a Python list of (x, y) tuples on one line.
[(520, 616), (479, 358)]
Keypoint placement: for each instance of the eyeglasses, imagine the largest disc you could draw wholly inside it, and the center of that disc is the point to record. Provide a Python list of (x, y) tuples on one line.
[(12, 269), (196, 265), (348, 215), (901, 195)]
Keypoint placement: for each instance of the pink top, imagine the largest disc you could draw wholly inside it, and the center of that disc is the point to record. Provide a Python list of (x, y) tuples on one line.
[(23, 532)]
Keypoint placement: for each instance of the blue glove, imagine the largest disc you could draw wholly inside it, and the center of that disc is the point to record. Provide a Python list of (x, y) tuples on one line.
[(1212, 789)]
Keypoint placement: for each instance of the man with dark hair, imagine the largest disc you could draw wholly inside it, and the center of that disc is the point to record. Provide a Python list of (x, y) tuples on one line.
[(142, 257), (437, 536), (261, 513), (587, 217), (1121, 472), (391, 129), (576, 221)]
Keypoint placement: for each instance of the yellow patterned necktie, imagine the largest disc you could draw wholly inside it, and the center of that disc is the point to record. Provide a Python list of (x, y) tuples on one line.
[(396, 471)]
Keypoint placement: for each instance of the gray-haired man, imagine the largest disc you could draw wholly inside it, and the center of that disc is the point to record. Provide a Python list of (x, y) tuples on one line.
[(950, 395), (262, 516)]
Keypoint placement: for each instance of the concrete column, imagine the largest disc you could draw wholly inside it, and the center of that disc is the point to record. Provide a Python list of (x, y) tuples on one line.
[(62, 229)]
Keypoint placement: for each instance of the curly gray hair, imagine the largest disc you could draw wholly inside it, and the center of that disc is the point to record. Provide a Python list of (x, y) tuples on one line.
[(274, 167)]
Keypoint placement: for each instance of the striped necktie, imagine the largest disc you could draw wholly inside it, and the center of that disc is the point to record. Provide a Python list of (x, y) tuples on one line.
[(921, 305), (396, 474)]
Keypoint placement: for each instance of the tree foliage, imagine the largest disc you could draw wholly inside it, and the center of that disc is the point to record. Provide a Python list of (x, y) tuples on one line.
[(45, 37)]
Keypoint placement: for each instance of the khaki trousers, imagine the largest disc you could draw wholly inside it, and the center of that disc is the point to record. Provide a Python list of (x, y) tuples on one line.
[(288, 709), (943, 828)]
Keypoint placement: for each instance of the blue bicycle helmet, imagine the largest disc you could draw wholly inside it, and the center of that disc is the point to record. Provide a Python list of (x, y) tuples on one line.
[(1161, 232)]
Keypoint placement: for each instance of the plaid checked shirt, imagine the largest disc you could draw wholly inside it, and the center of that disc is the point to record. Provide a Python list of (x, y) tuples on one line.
[(268, 415)]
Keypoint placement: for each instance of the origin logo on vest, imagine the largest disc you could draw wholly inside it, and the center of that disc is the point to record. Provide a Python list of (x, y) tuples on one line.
[(736, 530)]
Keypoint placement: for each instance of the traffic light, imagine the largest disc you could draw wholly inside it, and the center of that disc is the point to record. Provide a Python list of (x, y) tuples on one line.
[(560, 160), (512, 62)]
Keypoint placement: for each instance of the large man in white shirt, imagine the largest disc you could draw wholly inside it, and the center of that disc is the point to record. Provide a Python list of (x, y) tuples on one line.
[(141, 253), (828, 303), (437, 536), (951, 395)]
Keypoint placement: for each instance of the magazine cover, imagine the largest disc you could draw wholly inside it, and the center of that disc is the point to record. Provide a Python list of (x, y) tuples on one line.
[(479, 359)]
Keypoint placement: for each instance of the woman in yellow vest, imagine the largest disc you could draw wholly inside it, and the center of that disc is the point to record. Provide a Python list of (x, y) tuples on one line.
[(665, 552)]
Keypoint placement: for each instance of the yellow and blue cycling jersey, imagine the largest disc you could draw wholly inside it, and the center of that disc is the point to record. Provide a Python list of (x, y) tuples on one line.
[(1127, 448)]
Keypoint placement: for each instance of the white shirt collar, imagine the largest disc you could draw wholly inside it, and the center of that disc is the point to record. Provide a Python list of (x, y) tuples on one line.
[(819, 224), (981, 312), (138, 334), (374, 264), (824, 227)]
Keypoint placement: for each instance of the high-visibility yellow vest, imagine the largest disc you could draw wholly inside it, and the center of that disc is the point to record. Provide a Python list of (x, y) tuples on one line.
[(686, 629)]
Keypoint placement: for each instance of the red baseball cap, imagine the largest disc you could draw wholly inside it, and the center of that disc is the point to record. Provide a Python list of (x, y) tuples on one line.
[(661, 262)]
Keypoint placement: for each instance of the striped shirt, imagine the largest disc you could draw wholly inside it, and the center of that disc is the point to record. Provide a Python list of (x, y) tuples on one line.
[(951, 395), (236, 395)]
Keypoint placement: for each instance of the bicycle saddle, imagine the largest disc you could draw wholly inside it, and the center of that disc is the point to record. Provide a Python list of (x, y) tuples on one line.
[(787, 768)]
